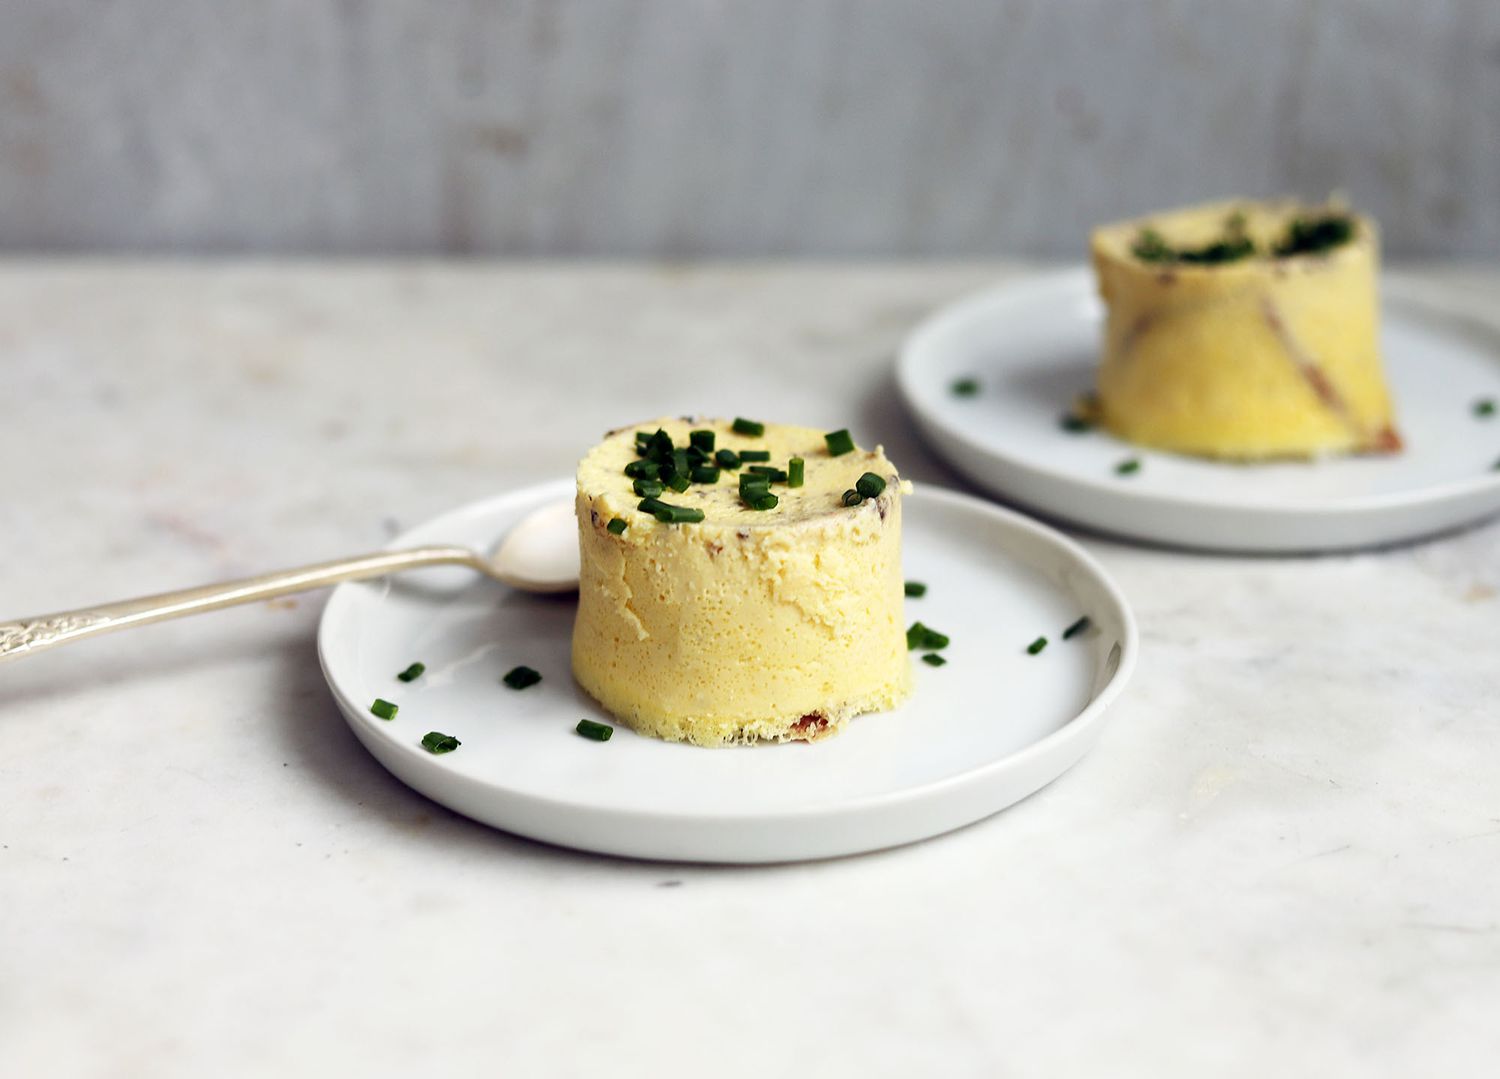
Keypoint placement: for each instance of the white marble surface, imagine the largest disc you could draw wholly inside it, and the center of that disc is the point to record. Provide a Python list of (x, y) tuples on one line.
[(1282, 859)]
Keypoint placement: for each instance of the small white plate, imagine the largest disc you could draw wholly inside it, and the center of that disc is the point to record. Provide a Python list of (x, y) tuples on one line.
[(991, 727), (1033, 345)]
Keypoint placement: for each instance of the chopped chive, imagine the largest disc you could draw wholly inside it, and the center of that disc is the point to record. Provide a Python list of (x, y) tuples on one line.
[(659, 445), (1036, 646), (1231, 249), (1128, 466), (851, 497), (916, 589), (1076, 628), (642, 437), (1316, 236), (438, 742), (649, 505), (384, 709), (754, 479), (521, 677), (743, 426), (680, 464), (727, 459), (839, 442), (775, 475), (796, 472), (932, 659), (696, 457), (647, 488), (1074, 423), (676, 515), (870, 485), (755, 455), (412, 673), (595, 732), (1484, 407), (702, 440), (679, 482), (705, 474), (764, 502), (643, 470), (964, 387), (925, 638), (1149, 246), (616, 526)]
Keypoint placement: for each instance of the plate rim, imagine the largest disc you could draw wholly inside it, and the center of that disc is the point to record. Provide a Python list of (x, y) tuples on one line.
[(1410, 294), (1078, 728)]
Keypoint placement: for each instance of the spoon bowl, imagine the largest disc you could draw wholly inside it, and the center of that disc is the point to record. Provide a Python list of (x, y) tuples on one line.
[(540, 554)]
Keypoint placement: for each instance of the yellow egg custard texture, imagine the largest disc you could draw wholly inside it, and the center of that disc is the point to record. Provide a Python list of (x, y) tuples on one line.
[(704, 619), (1243, 330)]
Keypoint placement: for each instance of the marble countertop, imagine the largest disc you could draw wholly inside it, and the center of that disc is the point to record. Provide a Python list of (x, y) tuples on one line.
[(1282, 859)]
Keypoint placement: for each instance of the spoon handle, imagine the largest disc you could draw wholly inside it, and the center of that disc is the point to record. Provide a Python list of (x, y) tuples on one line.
[(30, 635)]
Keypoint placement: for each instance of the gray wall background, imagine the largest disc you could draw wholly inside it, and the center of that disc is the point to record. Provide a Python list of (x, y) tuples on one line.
[(694, 128)]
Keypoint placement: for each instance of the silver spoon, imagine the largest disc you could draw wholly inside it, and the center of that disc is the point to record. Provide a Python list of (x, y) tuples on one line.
[(539, 554)]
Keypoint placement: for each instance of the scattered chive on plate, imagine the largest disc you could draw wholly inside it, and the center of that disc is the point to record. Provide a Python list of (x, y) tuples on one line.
[(1076, 628), (924, 638), (412, 673), (521, 677), (595, 732), (438, 742)]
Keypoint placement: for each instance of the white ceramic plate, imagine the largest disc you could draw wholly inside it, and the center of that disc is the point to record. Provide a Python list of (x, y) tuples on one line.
[(991, 727), (1033, 346)]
